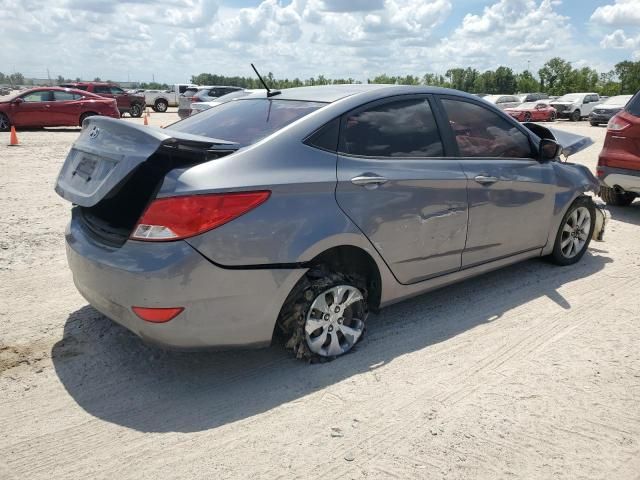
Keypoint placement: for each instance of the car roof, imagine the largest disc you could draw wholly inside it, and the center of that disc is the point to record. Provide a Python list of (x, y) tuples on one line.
[(332, 93)]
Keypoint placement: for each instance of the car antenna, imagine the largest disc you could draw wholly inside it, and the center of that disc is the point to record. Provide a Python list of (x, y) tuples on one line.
[(270, 93)]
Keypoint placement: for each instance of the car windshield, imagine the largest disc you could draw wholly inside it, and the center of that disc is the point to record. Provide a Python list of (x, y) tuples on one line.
[(568, 98), (620, 100), (246, 121)]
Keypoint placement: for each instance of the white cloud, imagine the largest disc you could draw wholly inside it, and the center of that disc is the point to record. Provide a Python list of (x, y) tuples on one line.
[(174, 39), (621, 13), (508, 31), (618, 39)]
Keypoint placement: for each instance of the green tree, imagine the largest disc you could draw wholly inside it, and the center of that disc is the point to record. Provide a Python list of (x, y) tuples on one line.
[(629, 75), (525, 82), (555, 76), (505, 80)]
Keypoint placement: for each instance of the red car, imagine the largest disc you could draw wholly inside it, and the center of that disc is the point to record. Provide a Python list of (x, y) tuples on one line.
[(130, 103), (533, 112), (53, 107), (619, 162)]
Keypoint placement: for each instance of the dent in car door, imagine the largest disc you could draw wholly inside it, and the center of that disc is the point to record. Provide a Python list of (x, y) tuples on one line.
[(510, 193), (397, 187)]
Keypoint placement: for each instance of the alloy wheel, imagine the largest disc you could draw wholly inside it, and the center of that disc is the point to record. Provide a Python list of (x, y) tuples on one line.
[(575, 232), (335, 321), (4, 123)]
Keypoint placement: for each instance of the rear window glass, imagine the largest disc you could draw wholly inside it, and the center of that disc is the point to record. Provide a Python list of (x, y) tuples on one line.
[(246, 121), (633, 107)]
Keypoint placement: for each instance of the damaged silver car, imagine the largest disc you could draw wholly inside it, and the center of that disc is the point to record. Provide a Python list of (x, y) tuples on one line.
[(295, 213)]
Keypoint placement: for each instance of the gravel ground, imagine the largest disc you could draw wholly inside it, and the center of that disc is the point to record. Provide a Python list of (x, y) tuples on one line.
[(529, 372)]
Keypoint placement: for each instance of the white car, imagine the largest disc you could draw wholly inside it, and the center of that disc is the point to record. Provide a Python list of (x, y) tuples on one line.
[(160, 100), (503, 101), (197, 107), (575, 106)]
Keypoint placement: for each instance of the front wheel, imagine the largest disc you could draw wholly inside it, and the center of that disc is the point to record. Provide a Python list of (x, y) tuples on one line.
[(575, 116), (594, 124), (616, 199), (160, 106), (527, 117), (86, 115), (5, 124), (135, 111), (574, 234), (552, 116), (324, 315)]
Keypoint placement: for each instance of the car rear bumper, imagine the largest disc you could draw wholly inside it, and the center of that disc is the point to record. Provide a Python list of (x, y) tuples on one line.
[(599, 117), (627, 180), (223, 308)]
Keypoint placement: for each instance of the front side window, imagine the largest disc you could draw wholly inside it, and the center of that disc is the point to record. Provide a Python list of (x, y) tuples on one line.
[(401, 128), (100, 90), (479, 132), (39, 96), (246, 121), (116, 90)]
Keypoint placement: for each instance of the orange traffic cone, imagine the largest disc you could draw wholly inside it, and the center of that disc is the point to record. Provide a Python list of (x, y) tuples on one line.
[(146, 122), (13, 139)]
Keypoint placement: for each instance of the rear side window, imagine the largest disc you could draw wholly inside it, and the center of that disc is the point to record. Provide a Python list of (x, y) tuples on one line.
[(81, 87), (246, 121), (116, 90), (65, 96), (100, 89), (633, 107), (326, 137), (479, 132), (400, 128)]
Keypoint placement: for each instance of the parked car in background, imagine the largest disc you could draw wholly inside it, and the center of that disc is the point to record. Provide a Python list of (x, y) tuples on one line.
[(575, 106), (133, 104), (602, 112), (160, 100), (503, 101), (201, 94), (531, 97), (296, 214), (197, 107), (5, 90), (532, 112), (53, 107), (619, 161)]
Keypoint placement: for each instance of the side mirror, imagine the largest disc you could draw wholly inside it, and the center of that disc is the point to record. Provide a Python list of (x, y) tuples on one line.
[(549, 149), (18, 101)]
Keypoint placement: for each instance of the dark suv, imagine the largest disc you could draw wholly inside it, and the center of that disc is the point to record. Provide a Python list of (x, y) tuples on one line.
[(132, 104)]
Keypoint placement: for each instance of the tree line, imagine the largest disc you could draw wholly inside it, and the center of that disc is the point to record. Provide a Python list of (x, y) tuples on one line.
[(556, 77)]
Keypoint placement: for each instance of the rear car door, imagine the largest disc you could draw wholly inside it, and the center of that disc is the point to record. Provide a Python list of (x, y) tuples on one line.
[(510, 191), (35, 110), (65, 109), (398, 187)]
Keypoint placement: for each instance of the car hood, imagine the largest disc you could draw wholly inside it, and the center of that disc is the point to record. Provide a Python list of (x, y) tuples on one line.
[(609, 107), (518, 109), (562, 103), (571, 143)]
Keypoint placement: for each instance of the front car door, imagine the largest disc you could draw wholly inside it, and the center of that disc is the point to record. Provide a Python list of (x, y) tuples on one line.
[(397, 186), (510, 191), (35, 109)]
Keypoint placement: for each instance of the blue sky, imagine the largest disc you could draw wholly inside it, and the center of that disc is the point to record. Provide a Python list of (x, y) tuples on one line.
[(170, 40)]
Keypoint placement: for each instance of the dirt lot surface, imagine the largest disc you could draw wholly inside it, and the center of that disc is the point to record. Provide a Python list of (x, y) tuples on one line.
[(529, 372)]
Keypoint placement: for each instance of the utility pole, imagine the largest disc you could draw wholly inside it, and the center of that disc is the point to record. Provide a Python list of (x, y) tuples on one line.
[(49, 76), (529, 66)]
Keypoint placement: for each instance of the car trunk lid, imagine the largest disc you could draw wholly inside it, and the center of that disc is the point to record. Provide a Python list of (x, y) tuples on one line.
[(109, 150)]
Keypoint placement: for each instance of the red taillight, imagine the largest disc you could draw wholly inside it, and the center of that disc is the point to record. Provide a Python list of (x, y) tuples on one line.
[(617, 123), (157, 315), (174, 218)]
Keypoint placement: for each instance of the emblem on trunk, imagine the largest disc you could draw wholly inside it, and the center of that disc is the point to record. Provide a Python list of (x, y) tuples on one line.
[(95, 131)]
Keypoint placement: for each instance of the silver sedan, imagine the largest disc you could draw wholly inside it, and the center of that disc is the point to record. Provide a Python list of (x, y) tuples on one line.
[(295, 213)]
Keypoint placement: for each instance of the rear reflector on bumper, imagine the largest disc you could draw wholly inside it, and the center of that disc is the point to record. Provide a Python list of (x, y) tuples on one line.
[(157, 315)]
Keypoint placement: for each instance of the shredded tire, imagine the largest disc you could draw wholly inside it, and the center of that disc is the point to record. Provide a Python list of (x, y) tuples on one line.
[(291, 320)]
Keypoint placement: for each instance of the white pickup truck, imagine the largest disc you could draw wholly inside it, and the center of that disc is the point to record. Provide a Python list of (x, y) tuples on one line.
[(160, 100)]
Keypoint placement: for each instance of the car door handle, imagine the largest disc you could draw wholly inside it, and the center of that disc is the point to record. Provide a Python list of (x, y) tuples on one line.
[(486, 179), (368, 179)]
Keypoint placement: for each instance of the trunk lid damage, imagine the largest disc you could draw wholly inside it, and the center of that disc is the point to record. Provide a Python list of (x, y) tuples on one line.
[(115, 169), (108, 151)]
